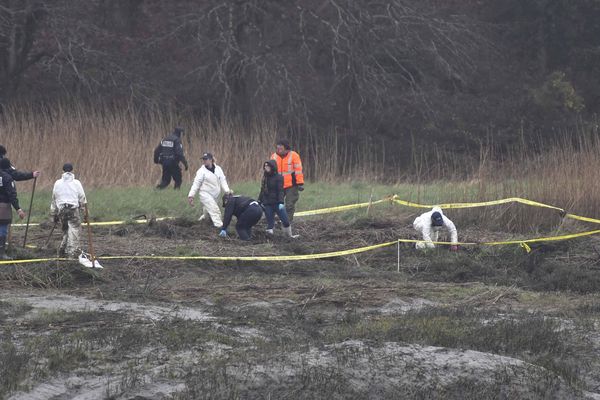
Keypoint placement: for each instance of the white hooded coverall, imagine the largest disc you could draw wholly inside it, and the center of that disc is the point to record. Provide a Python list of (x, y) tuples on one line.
[(431, 233), (67, 197), (209, 186)]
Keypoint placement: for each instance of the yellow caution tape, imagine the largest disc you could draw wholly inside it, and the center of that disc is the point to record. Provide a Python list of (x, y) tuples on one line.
[(477, 204), (394, 199), (224, 258), (107, 223), (526, 247), (521, 242), (32, 260), (585, 219), (340, 208)]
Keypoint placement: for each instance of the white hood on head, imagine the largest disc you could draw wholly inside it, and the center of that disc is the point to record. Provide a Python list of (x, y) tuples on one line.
[(67, 190)]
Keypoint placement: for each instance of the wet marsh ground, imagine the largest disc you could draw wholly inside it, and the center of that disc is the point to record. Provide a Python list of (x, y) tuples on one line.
[(488, 322)]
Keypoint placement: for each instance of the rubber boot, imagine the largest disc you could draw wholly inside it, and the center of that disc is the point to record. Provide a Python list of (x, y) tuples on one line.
[(288, 231), (3, 255)]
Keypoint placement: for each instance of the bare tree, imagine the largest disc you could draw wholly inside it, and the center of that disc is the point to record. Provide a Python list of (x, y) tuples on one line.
[(353, 61), (19, 25)]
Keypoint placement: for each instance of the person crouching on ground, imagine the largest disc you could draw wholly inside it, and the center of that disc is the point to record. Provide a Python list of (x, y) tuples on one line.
[(429, 225), (247, 211), (67, 198), (272, 198), (8, 197), (209, 182)]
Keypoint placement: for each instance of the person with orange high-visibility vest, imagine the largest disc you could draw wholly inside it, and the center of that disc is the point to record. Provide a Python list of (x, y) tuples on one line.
[(289, 165)]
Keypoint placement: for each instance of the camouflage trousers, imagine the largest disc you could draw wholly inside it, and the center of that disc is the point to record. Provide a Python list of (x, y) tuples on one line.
[(71, 224), (292, 195)]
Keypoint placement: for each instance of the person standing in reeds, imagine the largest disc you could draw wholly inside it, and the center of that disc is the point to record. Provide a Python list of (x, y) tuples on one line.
[(289, 165), (67, 198), (8, 198), (16, 174), (209, 182), (271, 198), (169, 153)]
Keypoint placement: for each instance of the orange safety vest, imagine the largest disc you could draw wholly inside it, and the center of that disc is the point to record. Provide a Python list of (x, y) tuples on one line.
[(290, 167)]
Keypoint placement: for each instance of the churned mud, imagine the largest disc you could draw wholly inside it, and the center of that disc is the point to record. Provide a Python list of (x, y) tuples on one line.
[(483, 323)]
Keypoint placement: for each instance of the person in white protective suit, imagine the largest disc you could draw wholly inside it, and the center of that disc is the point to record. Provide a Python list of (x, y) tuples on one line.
[(68, 198), (209, 182), (429, 224)]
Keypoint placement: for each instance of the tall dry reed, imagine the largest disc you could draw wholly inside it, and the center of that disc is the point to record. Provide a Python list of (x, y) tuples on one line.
[(114, 147), (563, 173)]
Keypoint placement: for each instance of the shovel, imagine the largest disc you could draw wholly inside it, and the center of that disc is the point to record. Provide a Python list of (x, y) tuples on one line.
[(45, 246), (83, 262)]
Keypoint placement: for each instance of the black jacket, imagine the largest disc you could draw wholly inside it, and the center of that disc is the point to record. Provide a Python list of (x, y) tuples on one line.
[(170, 150), (8, 191), (19, 175), (271, 189), (235, 206)]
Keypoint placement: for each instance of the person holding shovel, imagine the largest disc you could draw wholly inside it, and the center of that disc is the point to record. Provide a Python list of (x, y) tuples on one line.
[(8, 198), (67, 198)]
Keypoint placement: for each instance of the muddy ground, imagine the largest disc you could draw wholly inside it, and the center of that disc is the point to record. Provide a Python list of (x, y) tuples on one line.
[(495, 323)]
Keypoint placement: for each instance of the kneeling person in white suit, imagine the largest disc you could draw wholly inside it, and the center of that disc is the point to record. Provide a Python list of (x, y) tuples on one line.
[(429, 225), (209, 182)]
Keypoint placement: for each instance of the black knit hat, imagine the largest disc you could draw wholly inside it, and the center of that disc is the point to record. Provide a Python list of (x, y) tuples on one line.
[(285, 143), (68, 167), (226, 198), (2, 151), (437, 219)]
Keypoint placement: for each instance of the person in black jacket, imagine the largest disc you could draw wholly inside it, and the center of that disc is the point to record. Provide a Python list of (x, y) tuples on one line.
[(169, 153), (8, 197), (272, 198), (247, 211), (16, 174)]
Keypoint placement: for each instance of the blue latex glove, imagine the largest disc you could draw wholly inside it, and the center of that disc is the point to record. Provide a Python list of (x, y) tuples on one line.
[(223, 233), (280, 206)]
